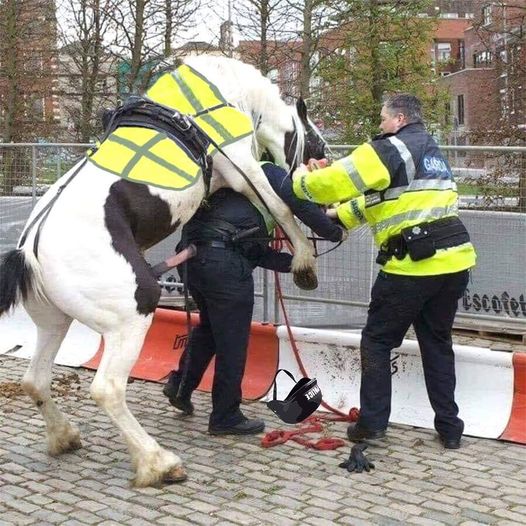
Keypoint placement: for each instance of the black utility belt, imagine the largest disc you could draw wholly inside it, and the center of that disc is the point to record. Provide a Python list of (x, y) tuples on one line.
[(215, 243), (423, 240)]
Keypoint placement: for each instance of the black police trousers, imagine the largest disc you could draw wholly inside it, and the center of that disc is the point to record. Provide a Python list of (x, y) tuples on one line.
[(221, 283), (430, 304)]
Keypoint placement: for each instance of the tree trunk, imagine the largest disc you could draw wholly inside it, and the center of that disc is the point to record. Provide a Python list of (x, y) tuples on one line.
[(306, 49), (138, 39), (168, 29), (376, 77), (264, 20)]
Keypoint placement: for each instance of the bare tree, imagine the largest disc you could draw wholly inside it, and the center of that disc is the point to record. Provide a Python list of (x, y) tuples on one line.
[(312, 21), (87, 68), (144, 34), (261, 23)]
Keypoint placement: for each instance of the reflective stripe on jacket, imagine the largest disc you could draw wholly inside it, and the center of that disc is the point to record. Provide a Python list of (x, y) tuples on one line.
[(393, 182)]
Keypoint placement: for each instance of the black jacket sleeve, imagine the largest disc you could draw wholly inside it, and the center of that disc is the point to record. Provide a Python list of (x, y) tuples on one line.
[(274, 260), (308, 213)]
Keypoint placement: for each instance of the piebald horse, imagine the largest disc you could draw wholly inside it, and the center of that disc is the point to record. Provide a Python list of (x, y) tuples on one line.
[(90, 267)]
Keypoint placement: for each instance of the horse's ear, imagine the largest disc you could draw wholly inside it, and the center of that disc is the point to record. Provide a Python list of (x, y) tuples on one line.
[(302, 110)]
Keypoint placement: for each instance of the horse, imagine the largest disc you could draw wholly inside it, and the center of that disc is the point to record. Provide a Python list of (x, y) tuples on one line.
[(86, 261)]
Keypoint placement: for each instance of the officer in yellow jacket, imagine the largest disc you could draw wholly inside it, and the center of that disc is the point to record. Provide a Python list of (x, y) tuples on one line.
[(401, 185)]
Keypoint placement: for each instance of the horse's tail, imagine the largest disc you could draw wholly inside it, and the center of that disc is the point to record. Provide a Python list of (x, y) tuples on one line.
[(19, 275)]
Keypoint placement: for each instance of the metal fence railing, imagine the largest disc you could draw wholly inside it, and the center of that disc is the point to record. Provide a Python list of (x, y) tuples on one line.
[(492, 188)]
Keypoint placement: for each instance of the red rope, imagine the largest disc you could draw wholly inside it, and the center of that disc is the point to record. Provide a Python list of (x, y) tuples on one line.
[(312, 423), (343, 416)]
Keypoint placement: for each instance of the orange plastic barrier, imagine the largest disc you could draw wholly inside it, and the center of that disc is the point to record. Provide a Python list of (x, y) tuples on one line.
[(167, 338), (516, 429)]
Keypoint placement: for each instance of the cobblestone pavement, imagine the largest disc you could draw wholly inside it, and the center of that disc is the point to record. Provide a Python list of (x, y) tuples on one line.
[(235, 481)]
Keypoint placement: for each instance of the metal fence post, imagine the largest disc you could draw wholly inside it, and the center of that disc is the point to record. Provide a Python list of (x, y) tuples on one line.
[(59, 165), (276, 304), (33, 176), (265, 296)]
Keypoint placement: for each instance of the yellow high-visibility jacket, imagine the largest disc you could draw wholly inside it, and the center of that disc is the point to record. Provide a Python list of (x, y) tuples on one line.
[(393, 182)]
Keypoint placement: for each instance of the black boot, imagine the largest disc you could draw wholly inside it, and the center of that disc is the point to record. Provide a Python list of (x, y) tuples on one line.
[(170, 390)]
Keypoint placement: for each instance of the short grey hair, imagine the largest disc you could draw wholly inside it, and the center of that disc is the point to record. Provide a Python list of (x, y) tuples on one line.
[(407, 104)]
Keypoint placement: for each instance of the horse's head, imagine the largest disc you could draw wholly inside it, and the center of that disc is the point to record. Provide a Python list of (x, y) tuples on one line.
[(290, 137), (305, 141)]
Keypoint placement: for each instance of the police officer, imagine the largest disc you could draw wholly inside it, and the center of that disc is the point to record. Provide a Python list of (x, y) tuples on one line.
[(401, 185), (221, 283)]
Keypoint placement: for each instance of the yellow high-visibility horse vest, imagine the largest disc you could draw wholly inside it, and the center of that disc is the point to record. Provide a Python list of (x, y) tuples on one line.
[(149, 156)]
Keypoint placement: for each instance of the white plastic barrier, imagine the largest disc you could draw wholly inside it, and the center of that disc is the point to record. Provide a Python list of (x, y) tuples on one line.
[(484, 379), (80, 344), (491, 394)]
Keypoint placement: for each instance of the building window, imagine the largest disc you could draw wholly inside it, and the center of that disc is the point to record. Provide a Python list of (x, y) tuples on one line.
[(273, 75), (460, 110), (482, 59), (462, 54), (38, 109), (504, 106), (486, 15), (443, 51), (447, 112)]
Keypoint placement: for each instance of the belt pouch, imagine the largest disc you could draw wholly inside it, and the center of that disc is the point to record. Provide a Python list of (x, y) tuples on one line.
[(419, 241)]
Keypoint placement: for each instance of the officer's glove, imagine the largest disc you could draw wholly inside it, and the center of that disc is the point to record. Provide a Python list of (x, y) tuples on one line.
[(357, 460)]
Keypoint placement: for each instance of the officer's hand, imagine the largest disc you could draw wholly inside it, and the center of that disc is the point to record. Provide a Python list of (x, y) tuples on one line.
[(316, 164), (357, 460), (345, 233), (332, 213)]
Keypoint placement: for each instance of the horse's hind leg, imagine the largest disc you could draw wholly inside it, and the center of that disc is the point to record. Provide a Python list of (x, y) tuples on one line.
[(122, 346), (52, 326)]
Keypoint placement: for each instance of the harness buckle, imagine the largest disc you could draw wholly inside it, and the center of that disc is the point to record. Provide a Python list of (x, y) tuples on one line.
[(182, 121)]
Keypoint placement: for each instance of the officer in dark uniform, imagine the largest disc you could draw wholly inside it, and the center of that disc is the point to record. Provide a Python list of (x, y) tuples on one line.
[(220, 280)]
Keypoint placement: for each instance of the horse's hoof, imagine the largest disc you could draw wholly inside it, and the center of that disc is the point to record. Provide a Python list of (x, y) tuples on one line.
[(57, 445), (306, 279), (176, 474)]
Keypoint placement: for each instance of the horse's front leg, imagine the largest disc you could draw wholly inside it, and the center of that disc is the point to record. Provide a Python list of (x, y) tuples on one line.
[(122, 345), (303, 262)]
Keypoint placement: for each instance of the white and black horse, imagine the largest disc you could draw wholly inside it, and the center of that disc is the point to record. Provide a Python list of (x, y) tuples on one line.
[(90, 266)]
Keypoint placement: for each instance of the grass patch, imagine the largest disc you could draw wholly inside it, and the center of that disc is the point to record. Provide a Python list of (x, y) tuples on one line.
[(475, 189)]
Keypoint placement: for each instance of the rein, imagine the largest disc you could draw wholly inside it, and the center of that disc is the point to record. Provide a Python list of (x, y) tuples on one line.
[(243, 174)]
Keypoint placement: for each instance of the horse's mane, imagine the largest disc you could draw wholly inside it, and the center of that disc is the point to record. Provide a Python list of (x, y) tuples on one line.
[(251, 92)]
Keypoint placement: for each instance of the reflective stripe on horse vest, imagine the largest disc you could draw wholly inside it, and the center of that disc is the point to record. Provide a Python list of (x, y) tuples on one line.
[(149, 156), (189, 92)]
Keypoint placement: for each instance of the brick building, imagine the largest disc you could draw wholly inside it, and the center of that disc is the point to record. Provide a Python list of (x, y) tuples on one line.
[(488, 91), (29, 106)]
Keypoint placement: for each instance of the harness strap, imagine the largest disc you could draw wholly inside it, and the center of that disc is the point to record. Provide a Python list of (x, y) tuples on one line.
[(43, 214), (144, 113), (245, 177), (275, 390)]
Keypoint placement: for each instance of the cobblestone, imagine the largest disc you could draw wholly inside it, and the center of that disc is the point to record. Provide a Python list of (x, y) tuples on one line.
[(233, 481)]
